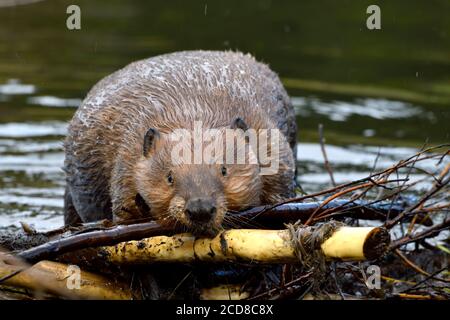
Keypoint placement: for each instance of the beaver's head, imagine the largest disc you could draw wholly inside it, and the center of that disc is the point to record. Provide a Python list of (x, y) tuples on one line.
[(193, 183)]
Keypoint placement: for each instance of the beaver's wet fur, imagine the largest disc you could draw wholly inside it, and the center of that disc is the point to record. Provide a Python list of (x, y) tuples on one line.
[(118, 152)]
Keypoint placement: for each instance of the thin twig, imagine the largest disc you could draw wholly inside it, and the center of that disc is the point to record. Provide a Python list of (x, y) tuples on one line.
[(325, 158)]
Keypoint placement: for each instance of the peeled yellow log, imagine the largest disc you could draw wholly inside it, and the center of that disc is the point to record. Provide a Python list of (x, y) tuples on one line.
[(55, 278), (356, 243), (248, 245)]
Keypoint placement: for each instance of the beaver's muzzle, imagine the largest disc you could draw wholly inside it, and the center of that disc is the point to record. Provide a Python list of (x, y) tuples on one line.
[(200, 210)]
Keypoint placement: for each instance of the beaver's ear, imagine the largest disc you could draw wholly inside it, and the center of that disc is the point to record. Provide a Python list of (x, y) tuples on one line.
[(150, 138), (238, 123)]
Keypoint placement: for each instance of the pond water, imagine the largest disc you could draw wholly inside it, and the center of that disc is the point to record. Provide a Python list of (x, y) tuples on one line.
[(383, 92)]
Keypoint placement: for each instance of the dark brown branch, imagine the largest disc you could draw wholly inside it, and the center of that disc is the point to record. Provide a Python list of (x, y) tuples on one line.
[(97, 238), (290, 212)]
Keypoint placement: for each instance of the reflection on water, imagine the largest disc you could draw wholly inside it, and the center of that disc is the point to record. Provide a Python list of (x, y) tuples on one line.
[(42, 129), (379, 109), (50, 101), (13, 87)]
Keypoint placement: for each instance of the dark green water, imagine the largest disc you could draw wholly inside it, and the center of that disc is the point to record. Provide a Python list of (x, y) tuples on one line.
[(385, 89)]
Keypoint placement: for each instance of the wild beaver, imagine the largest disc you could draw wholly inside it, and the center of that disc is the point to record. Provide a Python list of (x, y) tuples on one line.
[(119, 149)]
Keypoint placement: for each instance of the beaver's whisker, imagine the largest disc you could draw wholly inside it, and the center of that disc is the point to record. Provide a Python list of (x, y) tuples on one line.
[(233, 222), (242, 221)]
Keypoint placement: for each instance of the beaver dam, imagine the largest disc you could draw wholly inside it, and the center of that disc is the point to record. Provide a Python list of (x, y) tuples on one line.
[(368, 239)]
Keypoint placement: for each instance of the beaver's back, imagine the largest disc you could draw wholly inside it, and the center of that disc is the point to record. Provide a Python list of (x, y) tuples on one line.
[(167, 92), (185, 86)]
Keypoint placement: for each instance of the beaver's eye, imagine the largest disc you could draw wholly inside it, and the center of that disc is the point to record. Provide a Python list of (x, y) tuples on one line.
[(224, 171), (170, 178)]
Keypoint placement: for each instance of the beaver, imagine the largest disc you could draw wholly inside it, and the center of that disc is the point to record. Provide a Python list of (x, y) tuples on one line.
[(119, 160)]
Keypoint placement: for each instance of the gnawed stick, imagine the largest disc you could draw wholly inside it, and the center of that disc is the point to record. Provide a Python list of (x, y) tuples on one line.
[(55, 278), (359, 209), (248, 245)]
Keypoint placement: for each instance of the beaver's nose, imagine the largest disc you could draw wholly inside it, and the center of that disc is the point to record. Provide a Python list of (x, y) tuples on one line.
[(200, 210)]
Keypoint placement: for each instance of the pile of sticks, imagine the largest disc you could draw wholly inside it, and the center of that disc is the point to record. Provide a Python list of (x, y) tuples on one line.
[(301, 248)]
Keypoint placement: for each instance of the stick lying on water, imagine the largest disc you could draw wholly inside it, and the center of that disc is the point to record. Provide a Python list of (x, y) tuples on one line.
[(248, 245), (358, 209)]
